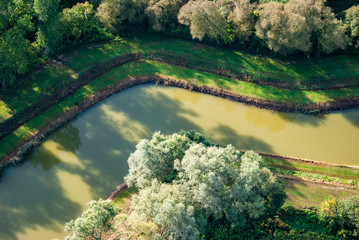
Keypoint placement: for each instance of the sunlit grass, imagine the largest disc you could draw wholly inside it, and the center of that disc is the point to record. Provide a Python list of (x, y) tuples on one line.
[(70, 64), (151, 68), (125, 198), (313, 194), (66, 67), (330, 170)]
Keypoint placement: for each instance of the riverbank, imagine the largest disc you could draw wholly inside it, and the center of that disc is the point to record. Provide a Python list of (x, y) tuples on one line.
[(24, 126)]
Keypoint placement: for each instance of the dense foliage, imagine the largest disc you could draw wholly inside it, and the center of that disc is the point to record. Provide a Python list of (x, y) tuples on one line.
[(300, 25), (352, 23), (32, 29), (185, 185)]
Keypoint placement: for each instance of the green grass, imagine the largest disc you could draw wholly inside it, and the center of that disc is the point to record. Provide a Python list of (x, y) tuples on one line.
[(348, 173), (124, 198), (43, 81), (314, 176), (313, 194), (63, 69), (151, 68)]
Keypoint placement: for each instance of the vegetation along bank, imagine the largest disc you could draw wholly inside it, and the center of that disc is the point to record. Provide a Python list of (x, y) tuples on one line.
[(28, 37), (272, 54), (112, 67)]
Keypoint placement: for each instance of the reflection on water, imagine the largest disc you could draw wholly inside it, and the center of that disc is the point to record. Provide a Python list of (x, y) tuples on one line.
[(87, 158)]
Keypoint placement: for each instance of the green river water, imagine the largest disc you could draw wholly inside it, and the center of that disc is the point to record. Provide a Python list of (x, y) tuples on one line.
[(87, 158)]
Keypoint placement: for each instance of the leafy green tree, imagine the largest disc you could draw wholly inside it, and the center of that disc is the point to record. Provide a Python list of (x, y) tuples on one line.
[(48, 36), (17, 54), (204, 20), (282, 30), (169, 207), (94, 222), (352, 23), (227, 185), (79, 23), (326, 31), (347, 214)]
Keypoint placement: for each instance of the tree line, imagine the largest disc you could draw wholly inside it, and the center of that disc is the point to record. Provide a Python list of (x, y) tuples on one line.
[(30, 30)]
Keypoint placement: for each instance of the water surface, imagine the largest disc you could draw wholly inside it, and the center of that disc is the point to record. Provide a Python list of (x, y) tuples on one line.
[(87, 158)]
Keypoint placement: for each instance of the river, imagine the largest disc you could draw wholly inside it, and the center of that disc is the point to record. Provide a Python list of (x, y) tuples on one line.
[(87, 158)]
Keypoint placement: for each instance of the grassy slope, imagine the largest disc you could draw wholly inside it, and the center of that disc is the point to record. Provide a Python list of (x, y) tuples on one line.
[(152, 69), (75, 62)]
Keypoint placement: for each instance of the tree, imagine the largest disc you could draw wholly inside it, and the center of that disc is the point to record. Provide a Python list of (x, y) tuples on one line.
[(211, 183), (352, 24), (162, 14), (94, 222), (300, 25), (347, 213), (326, 31), (169, 207), (115, 13), (204, 19), (225, 184), (243, 18), (48, 36), (79, 23), (154, 159), (283, 31), (17, 54)]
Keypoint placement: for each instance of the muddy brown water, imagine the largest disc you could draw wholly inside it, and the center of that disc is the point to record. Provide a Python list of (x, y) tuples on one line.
[(87, 158)]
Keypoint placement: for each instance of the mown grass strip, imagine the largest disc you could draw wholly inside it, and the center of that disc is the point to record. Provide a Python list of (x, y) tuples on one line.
[(311, 194)]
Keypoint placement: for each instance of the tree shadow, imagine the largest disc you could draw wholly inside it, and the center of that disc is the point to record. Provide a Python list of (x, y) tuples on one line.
[(68, 139), (111, 131), (30, 199), (352, 116), (227, 135), (303, 119)]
